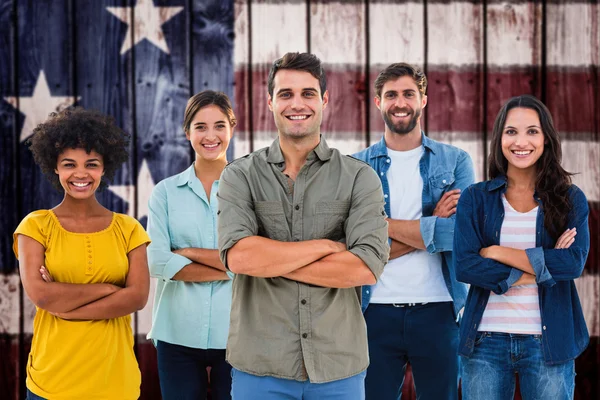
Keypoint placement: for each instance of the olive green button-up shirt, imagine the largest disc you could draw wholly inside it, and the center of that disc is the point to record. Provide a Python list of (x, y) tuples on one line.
[(284, 328)]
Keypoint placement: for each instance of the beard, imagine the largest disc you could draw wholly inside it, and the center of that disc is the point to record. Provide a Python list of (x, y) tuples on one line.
[(402, 128)]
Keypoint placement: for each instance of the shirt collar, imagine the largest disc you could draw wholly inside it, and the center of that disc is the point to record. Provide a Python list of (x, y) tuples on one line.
[(496, 183), (322, 151), (186, 176)]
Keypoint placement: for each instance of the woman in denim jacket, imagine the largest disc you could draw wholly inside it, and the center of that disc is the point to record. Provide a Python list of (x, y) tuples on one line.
[(520, 240)]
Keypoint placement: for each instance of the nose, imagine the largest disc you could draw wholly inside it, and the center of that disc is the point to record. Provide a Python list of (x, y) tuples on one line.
[(297, 103), (400, 103)]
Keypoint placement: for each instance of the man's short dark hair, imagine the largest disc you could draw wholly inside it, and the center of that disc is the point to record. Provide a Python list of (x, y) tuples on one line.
[(300, 62), (398, 70)]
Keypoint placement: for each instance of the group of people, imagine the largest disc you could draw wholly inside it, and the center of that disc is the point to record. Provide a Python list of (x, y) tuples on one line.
[(297, 272)]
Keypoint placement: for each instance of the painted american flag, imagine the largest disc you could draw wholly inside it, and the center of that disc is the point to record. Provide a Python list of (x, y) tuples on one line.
[(139, 60)]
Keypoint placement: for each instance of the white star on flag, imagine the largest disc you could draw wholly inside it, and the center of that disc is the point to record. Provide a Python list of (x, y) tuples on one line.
[(147, 25), (37, 107), (145, 185)]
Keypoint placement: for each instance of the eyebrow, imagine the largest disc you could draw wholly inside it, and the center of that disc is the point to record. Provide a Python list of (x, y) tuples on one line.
[(71, 160), (204, 123), (310, 89), (530, 126)]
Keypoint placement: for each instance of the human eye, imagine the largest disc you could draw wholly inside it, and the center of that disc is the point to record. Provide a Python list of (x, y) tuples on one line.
[(533, 131), (390, 95), (409, 94), (510, 132), (284, 95), (220, 126)]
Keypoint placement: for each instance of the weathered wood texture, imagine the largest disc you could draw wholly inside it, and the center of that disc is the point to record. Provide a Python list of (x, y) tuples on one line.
[(476, 55)]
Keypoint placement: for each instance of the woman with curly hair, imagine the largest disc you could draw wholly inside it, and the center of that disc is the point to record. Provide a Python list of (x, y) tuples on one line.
[(190, 319), (520, 240), (83, 266)]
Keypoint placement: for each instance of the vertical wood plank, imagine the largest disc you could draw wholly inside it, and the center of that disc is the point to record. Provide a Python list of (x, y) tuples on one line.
[(277, 28), (212, 49), (242, 70), (161, 88), (455, 106), (343, 56), (396, 32)]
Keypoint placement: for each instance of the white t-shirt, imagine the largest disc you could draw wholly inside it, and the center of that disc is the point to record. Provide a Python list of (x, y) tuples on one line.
[(415, 277)]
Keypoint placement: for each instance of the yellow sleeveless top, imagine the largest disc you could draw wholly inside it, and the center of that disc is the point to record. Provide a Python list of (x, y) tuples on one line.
[(83, 359)]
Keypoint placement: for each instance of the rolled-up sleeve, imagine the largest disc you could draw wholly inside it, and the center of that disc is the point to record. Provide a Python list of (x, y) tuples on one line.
[(162, 262), (438, 232), (366, 227), (236, 215), (471, 267), (551, 265)]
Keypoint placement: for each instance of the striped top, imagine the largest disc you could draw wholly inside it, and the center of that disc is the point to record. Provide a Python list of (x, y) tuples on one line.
[(517, 310)]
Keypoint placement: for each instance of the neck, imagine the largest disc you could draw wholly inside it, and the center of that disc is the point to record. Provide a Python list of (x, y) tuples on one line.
[(403, 142), (522, 179), (80, 208), (209, 168), (296, 150)]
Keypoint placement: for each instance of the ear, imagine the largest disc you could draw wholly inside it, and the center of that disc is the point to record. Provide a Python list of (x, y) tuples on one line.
[(377, 101), (56, 171), (424, 101), (270, 102), (187, 134), (325, 99)]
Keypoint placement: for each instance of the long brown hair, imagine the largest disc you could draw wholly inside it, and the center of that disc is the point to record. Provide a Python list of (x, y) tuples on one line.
[(552, 181)]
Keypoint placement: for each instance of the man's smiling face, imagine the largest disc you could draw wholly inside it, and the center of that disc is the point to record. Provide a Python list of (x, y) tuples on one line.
[(296, 104)]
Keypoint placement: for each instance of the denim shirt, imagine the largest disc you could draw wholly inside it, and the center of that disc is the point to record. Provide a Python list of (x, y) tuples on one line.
[(443, 168), (479, 219)]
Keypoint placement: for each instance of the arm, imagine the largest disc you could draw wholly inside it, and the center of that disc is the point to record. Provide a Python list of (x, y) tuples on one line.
[(195, 272), (471, 267), (54, 296), (339, 270), (277, 258), (398, 249), (438, 231), (407, 232), (131, 298), (207, 257), (366, 237)]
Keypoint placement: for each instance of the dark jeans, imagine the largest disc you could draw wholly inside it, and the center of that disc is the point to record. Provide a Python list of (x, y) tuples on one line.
[(424, 335), (33, 396), (182, 372)]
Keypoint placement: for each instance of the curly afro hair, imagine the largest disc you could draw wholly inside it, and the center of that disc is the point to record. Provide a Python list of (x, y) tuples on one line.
[(78, 128)]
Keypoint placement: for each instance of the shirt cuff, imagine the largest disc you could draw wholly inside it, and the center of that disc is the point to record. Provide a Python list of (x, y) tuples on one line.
[(370, 259), (538, 262), (514, 276), (427, 225), (174, 265)]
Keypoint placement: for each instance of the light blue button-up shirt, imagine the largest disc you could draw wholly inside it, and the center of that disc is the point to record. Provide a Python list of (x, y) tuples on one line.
[(185, 313)]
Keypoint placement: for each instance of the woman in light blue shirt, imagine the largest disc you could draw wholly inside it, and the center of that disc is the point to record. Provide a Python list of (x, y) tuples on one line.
[(190, 318)]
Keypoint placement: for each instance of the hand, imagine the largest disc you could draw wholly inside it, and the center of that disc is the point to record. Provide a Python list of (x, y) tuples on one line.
[(45, 274), (339, 246), (566, 239), (447, 204)]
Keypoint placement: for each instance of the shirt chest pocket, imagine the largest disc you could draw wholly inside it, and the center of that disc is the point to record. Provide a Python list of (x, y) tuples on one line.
[(183, 226), (330, 218), (272, 223), (439, 184)]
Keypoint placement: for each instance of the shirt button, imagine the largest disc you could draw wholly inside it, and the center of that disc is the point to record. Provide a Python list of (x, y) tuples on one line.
[(444, 181), (381, 173), (297, 207), (387, 161), (305, 335), (89, 262), (385, 195), (303, 301), (544, 327), (367, 292)]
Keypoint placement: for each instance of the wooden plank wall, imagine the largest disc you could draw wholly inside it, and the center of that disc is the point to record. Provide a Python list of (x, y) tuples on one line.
[(476, 55)]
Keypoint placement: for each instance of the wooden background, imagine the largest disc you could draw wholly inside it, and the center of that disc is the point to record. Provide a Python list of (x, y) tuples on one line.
[(476, 55)]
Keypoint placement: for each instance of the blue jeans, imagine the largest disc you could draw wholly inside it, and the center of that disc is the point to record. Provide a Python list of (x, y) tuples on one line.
[(498, 358), (424, 335), (251, 387), (33, 396), (182, 372)]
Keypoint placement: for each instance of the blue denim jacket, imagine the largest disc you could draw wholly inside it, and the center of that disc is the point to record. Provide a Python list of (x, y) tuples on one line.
[(479, 218), (443, 168)]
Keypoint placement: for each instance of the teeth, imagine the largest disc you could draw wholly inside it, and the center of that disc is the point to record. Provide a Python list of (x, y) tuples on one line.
[(401, 115), (211, 146), (80, 184), (522, 153), (297, 117)]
